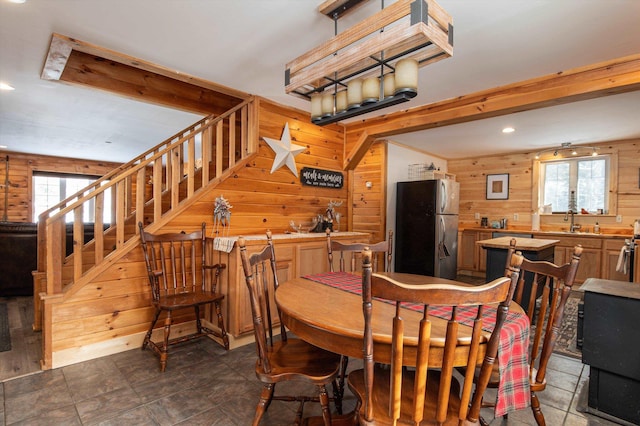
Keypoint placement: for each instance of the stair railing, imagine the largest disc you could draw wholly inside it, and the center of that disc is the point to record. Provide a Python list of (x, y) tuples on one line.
[(145, 189)]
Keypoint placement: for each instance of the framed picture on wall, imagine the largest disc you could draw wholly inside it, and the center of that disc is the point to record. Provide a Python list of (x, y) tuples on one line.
[(498, 187)]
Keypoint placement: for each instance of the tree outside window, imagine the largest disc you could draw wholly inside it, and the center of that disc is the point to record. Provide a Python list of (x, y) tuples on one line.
[(50, 189), (587, 176)]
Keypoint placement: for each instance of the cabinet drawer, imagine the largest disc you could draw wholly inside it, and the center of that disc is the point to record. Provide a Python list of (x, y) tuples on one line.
[(584, 242), (613, 244)]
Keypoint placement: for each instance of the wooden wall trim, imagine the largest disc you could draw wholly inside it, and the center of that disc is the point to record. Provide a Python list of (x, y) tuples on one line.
[(602, 79)]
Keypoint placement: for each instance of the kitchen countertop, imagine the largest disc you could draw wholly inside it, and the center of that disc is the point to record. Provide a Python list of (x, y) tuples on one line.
[(226, 243), (524, 244), (544, 234)]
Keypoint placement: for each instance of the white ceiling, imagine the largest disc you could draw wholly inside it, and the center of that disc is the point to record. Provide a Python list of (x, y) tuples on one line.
[(244, 44)]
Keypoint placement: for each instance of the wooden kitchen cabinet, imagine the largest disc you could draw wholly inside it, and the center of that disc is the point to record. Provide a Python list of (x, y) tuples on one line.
[(472, 260), (599, 256), (590, 261), (296, 255), (610, 255)]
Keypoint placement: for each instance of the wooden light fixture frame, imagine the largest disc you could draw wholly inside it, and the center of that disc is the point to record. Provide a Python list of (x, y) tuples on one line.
[(418, 29)]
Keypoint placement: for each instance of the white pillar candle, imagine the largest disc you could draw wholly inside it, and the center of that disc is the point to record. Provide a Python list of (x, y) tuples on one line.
[(389, 85), (354, 93), (406, 75), (371, 89), (341, 101), (327, 104), (316, 106)]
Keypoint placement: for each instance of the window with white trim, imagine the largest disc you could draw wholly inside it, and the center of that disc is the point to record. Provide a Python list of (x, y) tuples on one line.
[(51, 188), (588, 177)]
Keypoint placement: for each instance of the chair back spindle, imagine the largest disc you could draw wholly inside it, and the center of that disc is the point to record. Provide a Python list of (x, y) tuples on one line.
[(545, 309), (350, 252), (284, 359), (429, 392), (181, 276)]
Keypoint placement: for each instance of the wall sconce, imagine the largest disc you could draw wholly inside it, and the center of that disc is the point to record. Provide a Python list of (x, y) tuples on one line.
[(376, 61)]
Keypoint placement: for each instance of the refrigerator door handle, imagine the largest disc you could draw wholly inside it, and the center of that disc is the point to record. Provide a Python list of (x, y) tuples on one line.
[(443, 251), (443, 197)]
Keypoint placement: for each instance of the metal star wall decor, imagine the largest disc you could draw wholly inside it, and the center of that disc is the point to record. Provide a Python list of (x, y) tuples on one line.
[(285, 151)]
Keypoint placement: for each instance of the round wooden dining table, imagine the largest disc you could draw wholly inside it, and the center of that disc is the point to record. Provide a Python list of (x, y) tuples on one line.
[(332, 319)]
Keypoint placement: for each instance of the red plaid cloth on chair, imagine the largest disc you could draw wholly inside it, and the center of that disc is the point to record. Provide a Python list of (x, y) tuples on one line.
[(513, 391)]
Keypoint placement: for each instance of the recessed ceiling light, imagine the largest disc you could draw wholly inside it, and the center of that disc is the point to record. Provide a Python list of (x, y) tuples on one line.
[(5, 86), (3, 147), (508, 130), (17, 1)]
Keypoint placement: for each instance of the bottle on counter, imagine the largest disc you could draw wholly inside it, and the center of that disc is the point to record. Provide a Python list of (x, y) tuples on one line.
[(596, 228)]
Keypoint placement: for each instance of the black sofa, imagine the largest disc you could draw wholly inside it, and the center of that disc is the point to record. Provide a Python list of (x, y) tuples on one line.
[(19, 255)]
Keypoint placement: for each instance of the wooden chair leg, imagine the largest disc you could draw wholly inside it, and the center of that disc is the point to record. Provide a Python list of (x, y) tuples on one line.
[(196, 308), (147, 337), (324, 402), (165, 344), (344, 364), (337, 396), (223, 331), (265, 400), (537, 412)]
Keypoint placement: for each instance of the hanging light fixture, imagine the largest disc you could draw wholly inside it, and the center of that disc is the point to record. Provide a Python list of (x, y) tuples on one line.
[(566, 146), (375, 62)]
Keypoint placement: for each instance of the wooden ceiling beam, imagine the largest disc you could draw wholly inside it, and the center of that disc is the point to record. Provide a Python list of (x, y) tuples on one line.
[(77, 62), (133, 83), (602, 79)]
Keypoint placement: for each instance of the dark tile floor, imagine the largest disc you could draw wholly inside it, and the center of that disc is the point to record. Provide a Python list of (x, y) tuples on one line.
[(204, 385)]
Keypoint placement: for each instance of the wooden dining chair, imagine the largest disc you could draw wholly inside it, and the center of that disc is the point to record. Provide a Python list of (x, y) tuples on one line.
[(286, 358), (545, 315), (181, 278), (351, 251), (429, 393)]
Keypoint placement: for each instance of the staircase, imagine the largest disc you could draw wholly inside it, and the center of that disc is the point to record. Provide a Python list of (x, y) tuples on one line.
[(152, 189)]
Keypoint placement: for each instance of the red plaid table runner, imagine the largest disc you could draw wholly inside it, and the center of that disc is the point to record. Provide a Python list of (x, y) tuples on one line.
[(513, 391)]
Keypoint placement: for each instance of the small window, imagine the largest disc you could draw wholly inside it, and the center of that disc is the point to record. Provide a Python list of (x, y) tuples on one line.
[(51, 188), (587, 178)]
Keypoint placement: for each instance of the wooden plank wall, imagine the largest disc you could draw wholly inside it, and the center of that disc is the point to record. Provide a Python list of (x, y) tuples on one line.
[(263, 200), (111, 313), (472, 172), (369, 204), (21, 168)]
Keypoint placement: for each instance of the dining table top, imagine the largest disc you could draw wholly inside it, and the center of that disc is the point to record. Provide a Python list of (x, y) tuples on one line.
[(332, 319)]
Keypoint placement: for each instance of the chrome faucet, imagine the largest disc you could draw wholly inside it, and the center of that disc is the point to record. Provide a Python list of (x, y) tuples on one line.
[(571, 211), (573, 226)]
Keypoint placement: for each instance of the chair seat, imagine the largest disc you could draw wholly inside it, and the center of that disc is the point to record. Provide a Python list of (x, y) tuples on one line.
[(381, 396), (186, 300), (296, 357)]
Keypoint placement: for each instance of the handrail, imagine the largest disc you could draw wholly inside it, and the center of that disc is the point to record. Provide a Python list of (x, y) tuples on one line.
[(145, 189), (42, 217)]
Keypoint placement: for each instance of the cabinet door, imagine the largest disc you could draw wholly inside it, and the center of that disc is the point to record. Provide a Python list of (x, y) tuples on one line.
[(481, 254), (242, 321), (590, 262), (467, 251), (313, 259), (611, 253)]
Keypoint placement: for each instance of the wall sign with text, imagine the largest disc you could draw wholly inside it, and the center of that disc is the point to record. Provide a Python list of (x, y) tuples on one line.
[(321, 178)]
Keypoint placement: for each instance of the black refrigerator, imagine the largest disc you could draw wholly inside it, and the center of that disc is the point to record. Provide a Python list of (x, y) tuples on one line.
[(427, 228)]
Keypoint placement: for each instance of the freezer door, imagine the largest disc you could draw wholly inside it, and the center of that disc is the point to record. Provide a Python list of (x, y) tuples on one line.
[(446, 261), (447, 196)]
